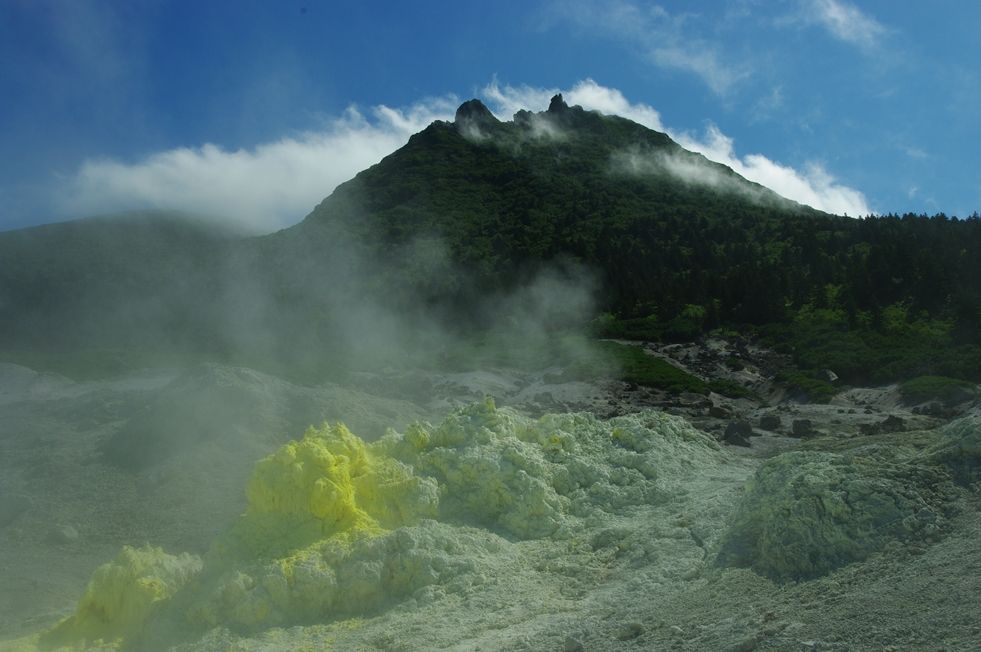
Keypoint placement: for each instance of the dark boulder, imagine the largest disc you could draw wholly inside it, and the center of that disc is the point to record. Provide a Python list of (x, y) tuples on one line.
[(738, 433), (719, 412), (770, 422), (931, 409), (802, 428)]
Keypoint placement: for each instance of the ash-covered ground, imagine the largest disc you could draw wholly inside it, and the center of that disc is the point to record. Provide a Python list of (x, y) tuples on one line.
[(565, 516)]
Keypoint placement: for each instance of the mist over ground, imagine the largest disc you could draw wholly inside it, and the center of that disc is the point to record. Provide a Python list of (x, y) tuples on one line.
[(541, 384), (345, 327)]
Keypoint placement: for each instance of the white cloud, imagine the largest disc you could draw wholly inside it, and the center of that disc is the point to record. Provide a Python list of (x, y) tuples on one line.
[(813, 186), (275, 184), (847, 22), (265, 188), (508, 100), (687, 168)]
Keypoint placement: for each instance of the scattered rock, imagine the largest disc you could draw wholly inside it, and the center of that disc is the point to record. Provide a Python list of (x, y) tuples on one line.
[(931, 409), (738, 433), (696, 401), (891, 423), (828, 375), (770, 422), (719, 412), (802, 428)]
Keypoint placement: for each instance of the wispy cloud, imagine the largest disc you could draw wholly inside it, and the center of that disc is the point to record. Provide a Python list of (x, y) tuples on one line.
[(704, 63), (507, 100), (915, 152), (846, 22), (813, 185), (687, 168), (264, 188), (275, 184), (666, 40), (768, 105)]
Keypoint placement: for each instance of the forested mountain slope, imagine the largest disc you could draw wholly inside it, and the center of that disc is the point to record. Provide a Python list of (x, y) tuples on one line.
[(664, 242)]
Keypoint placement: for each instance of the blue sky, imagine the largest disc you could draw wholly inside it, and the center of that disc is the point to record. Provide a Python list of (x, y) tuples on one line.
[(256, 110)]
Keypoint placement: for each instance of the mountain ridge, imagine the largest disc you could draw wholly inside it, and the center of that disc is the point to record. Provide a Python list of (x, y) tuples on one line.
[(477, 209)]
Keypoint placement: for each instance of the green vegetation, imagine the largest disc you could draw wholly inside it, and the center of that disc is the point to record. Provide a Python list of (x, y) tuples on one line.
[(439, 231), (948, 391), (731, 389), (633, 364), (892, 345), (814, 389)]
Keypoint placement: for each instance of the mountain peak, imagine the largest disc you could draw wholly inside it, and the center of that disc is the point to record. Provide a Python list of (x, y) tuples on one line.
[(474, 111), (557, 105)]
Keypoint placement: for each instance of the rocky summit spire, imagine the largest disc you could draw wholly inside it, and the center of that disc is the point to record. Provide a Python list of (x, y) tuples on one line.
[(474, 111), (557, 105)]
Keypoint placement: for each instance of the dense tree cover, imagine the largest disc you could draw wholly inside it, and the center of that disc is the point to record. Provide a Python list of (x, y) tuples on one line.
[(512, 199), (677, 254)]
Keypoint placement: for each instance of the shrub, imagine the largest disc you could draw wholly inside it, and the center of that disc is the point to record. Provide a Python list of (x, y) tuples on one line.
[(817, 390)]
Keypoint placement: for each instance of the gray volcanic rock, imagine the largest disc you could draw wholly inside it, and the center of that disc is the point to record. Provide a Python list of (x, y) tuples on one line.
[(738, 433), (557, 104), (770, 422), (802, 428)]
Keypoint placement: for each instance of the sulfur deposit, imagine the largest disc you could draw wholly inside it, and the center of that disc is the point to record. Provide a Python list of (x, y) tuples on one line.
[(339, 527), (806, 513), (494, 530), (336, 527), (959, 449), (121, 596)]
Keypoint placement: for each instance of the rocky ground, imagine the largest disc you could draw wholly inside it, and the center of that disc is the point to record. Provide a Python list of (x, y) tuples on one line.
[(767, 421), (162, 456)]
